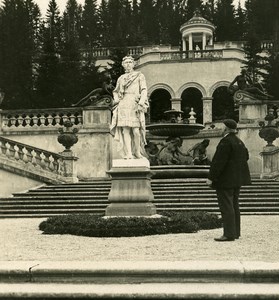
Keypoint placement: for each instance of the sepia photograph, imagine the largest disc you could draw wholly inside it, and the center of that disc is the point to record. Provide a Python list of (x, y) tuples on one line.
[(139, 149)]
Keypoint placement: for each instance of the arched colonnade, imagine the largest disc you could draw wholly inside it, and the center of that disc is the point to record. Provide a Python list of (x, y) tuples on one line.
[(209, 104)]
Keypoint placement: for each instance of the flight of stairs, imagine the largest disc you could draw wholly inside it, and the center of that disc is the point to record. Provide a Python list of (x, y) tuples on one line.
[(262, 197)]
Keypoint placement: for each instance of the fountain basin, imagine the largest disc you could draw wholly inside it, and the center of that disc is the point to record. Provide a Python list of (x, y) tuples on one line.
[(174, 129)]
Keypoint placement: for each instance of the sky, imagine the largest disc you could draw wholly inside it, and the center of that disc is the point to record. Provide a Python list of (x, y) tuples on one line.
[(43, 4)]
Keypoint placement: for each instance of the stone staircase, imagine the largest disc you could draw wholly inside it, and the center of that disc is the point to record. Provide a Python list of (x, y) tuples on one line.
[(262, 197), (197, 280)]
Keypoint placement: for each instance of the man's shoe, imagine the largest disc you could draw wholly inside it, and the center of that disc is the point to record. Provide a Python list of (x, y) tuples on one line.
[(224, 239)]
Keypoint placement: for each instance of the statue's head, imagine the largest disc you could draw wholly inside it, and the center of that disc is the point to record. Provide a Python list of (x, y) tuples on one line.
[(243, 71), (128, 63)]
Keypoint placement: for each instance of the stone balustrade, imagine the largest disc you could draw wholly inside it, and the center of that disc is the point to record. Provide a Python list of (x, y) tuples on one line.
[(55, 167), (39, 118), (199, 54)]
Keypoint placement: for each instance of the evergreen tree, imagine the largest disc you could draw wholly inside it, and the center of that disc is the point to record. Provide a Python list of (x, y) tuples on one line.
[(225, 21), (104, 18), (70, 55), (49, 72), (148, 22), (271, 79), (90, 25), (119, 24), (255, 61), (19, 23), (116, 68), (136, 34), (260, 18), (240, 23)]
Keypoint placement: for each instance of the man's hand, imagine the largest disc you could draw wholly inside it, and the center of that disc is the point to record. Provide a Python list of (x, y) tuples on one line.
[(209, 182)]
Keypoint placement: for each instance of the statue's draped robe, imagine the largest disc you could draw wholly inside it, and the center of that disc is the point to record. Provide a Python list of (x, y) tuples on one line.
[(130, 89)]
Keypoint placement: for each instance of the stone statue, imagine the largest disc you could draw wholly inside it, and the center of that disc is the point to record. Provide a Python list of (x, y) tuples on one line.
[(170, 153), (129, 106), (245, 83), (199, 153), (99, 96)]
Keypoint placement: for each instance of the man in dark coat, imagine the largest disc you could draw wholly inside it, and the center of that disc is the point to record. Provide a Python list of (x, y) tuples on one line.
[(228, 172)]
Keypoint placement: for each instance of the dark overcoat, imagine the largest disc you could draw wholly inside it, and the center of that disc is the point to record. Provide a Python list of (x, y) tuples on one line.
[(229, 167)]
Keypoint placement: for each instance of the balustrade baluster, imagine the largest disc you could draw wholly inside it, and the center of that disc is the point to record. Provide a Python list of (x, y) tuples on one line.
[(13, 121), (50, 119), (57, 120), (65, 118), (27, 121), (35, 121), (51, 164), (72, 118), (1, 145), (42, 120), (16, 149), (5, 121), (43, 162), (25, 155), (79, 118), (20, 121), (7, 152)]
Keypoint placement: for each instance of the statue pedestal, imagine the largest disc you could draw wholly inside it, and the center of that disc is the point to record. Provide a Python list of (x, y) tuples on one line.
[(130, 193), (270, 162), (251, 109)]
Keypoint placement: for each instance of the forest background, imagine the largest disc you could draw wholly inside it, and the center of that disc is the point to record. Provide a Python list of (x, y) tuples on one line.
[(42, 57)]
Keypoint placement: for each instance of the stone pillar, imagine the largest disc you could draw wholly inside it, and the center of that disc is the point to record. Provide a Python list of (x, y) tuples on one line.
[(270, 162), (203, 41), (211, 40), (184, 47), (69, 166), (130, 193), (250, 112), (176, 103), (190, 42), (94, 116), (207, 109)]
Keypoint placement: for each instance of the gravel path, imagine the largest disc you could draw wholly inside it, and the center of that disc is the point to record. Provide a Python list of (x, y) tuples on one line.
[(21, 240)]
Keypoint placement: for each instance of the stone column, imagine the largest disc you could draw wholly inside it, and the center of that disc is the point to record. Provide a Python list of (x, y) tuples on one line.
[(211, 40), (130, 193), (203, 41), (190, 42), (176, 103), (207, 109), (184, 47), (270, 162)]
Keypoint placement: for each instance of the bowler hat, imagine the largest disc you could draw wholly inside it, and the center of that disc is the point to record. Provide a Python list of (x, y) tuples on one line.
[(231, 124)]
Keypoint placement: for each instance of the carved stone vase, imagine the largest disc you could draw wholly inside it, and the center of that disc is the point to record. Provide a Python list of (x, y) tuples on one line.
[(67, 135), (269, 132)]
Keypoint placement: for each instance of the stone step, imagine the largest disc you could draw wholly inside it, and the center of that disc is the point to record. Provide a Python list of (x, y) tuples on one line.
[(194, 291), (114, 272)]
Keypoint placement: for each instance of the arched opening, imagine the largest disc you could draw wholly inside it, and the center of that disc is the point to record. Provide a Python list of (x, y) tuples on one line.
[(222, 104), (159, 103), (192, 98)]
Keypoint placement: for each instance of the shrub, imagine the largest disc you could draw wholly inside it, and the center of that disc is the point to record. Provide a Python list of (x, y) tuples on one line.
[(97, 226)]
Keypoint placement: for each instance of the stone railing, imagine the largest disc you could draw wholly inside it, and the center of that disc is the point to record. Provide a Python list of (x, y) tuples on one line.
[(184, 55), (107, 52), (39, 118), (29, 160)]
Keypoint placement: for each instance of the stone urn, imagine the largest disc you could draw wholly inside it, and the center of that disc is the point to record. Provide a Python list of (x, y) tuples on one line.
[(269, 132), (67, 135)]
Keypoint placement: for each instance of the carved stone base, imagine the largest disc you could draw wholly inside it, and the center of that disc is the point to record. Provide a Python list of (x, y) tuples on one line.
[(270, 162), (130, 193)]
